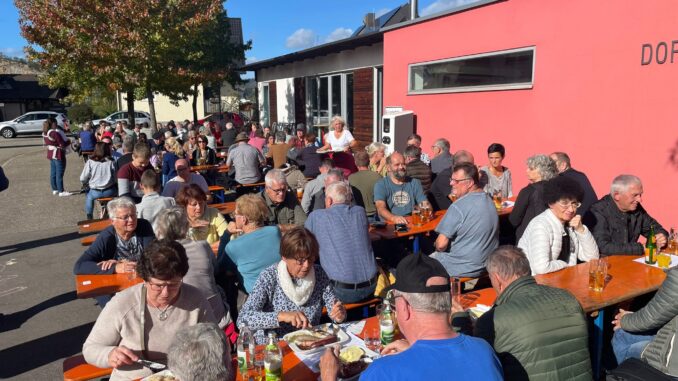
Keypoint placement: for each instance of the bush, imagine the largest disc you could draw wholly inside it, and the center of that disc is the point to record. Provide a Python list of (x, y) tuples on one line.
[(80, 113)]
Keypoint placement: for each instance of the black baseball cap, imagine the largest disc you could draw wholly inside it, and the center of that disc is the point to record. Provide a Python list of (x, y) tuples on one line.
[(413, 272)]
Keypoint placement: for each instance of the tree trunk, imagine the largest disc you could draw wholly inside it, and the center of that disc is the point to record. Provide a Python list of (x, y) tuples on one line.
[(151, 106), (130, 109), (195, 104)]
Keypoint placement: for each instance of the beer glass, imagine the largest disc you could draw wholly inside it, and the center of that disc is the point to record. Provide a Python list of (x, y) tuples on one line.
[(664, 260), (597, 274), (426, 211), (496, 197), (416, 216)]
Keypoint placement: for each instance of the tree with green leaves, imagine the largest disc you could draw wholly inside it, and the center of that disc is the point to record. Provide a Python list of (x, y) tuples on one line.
[(120, 45)]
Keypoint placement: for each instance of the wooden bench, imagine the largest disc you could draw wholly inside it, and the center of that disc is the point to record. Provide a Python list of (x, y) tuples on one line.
[(365, 306), (101, 205), (77, 369), (89, 240), (218, 193)]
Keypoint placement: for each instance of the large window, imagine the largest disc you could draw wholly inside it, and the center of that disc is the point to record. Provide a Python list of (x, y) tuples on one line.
[(328, 96), (504, 70)]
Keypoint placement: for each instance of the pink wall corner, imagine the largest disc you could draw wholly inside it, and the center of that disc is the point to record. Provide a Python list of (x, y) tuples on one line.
[(591, 98)]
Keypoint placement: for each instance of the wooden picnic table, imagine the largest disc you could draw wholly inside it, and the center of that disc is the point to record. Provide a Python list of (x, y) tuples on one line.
[(222, 168), (90, 286), (94, 226)]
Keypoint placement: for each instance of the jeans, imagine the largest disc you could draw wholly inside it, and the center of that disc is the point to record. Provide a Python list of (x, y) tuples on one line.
[(347, 295), (56, 174), (629, 345), (93, 194)]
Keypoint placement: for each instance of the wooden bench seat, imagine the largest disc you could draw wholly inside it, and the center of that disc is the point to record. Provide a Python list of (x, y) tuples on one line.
[(76, 369), (88, 241)]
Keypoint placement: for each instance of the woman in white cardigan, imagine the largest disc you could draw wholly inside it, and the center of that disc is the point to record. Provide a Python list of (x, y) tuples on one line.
[(556, 238)]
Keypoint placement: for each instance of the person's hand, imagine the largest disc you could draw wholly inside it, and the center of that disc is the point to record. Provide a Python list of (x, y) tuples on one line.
[(395, 347), (121, 355), (456, 304), (105, 265), (295, 318), (329, 364), (575, 223), (125, 267), (347, 149), (399, 220), (338, 313), (618, 317), (661, 240), (232, 228), (199, 223)]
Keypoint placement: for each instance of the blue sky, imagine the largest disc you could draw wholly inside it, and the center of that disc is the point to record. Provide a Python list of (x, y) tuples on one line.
[(275, 27)]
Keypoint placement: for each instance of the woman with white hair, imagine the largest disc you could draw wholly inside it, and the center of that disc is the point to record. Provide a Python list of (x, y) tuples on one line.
[(530, 201), (339, 138), (377, 153), (200, 352), (172, 224)]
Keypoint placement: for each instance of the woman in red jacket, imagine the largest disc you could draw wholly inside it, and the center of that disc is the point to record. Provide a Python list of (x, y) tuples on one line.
[(57, 143)]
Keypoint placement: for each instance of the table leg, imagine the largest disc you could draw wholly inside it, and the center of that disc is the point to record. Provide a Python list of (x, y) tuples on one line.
[(597, 344), (415, 244)]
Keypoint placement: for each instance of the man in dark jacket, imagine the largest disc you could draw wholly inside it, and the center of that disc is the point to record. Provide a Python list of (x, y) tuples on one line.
[(538, 332), (416, 169), (618, 219), (565, 169), (441, 188)]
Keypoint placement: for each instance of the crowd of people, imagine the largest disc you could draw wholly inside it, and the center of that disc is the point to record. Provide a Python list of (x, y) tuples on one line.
[(302, 243)]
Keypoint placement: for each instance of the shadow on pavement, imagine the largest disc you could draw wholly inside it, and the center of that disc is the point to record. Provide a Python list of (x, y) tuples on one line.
[(15, 320), (21, 146), (24, 357), (9, 249)]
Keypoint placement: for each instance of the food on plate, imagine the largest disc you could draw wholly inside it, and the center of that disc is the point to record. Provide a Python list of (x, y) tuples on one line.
[(161, 377), (309, 339), (353, 361), (351, 354)]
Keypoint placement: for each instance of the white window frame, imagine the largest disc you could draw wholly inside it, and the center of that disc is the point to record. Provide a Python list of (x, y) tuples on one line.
[(466, 89)]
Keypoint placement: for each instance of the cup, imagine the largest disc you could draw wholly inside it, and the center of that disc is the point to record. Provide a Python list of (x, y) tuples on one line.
[(372, 340), (663, 260), (597, 274), (300, 192), (416, 216), (455, 289), (426, 212), (497, 200)]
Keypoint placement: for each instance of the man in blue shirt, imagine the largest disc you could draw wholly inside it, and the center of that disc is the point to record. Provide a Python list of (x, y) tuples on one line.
[(396, 194), (431, 350), (345, 246)]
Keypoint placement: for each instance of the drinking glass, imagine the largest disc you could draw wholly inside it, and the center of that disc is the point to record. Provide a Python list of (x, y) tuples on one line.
[(597, 274), (496, 197), (664, 260), (426, 211), (416, 216), (373, 340), (455, 289)]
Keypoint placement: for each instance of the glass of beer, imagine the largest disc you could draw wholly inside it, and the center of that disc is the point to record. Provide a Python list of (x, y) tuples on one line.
[(597, 274), (663, 260), (426, 211), (496, 197), (416, 216)]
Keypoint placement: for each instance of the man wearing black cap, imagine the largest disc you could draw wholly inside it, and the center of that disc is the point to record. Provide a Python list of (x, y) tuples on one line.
[(431, 350)]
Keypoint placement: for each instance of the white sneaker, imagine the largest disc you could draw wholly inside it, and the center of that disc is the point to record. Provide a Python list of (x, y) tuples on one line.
[(65, 194), (55, 192)]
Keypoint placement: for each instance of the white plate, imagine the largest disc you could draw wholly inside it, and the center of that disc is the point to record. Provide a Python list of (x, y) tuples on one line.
[(341, 335)]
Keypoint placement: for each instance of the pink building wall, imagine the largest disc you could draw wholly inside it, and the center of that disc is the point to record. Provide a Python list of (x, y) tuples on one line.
[(591, 98)]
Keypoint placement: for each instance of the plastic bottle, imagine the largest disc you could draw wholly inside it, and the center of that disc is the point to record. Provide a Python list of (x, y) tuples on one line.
[(245, 347), (273, 359)]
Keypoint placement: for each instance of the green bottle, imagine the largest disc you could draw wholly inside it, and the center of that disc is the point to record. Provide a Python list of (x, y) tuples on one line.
[(651, 248)]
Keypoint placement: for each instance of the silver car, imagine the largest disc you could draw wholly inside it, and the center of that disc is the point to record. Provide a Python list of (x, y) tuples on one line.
[(139, 117), (31, 123)]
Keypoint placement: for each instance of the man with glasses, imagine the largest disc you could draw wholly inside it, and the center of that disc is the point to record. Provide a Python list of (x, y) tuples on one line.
[(431, 350), (469, 230), (119, 246), (396, 194), (183, 178), (283, 205), (618, 219), (556, 238)]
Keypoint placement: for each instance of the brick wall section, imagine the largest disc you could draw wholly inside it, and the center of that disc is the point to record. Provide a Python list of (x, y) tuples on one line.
[(363, 105), (299, 100), (273, 101)]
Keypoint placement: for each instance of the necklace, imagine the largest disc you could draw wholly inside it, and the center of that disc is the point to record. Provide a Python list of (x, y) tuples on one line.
[(163, 313)]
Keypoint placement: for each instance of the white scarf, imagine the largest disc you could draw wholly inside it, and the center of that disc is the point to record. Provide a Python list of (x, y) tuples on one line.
[(297, 293)]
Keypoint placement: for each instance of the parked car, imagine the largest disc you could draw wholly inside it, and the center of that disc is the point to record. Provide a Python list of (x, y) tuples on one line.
[(31, 122), (139, 117)]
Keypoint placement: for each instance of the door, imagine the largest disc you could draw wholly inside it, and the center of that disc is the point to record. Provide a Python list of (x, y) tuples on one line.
[(25, 123)]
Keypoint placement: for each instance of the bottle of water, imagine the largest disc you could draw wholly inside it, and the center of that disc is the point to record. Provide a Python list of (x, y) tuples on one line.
[(245, 347), (273, 359), (386, 324)]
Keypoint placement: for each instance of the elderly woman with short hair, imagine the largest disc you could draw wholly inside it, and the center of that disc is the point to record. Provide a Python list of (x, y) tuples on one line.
[(172, 224), (140, 322), (339, 138), (119, 246), (205, 223), (257, 246), (556, 238), (530, 201), (290, 295), (200, 352), (377, 154)]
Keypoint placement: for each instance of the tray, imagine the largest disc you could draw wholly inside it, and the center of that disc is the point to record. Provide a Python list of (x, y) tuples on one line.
[(341, 335)]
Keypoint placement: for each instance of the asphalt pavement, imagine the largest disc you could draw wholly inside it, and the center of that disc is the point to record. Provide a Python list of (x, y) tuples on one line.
[(41, 321)]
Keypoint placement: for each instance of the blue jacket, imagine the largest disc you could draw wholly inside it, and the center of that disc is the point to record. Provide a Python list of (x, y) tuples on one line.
[(104, 248)]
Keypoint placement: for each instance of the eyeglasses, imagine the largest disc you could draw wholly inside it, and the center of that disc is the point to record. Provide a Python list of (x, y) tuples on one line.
[(169, 285), (457, 181), (278, 191), (182, 169), (301, 261), (128, 217), (566, 205)]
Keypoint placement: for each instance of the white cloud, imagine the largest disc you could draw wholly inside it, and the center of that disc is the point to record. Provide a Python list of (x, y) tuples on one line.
[(13, 52), (301, 39), (249, 60), (441, 5), (381, 12), (339, 34)]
